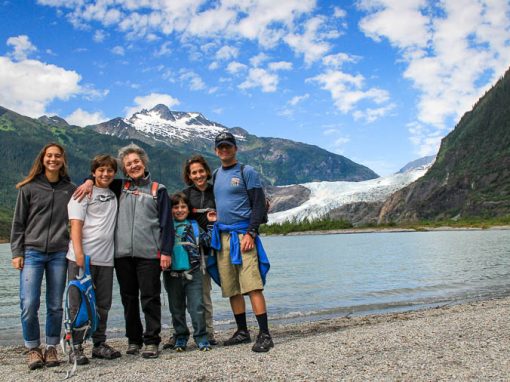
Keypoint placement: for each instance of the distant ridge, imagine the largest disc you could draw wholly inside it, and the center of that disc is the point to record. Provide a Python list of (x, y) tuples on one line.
[(471, 174)]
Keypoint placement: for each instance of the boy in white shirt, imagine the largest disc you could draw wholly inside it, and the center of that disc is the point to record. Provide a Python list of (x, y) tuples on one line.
[(92, 233)]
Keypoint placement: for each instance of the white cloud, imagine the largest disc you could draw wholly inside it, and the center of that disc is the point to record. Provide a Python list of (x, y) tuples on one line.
[(339, 13), (454, 51), (83, 118), (29, 86), (149, 101), (227, 53), (22, 47), (298, 99), (235, 67), (264, 22), (280, 65), (118, 50), (191, 79), (213, 65), (258, 77), (99, 35), (348, 91), (259, 59), (311, 43), (336, 61), (164, 50)]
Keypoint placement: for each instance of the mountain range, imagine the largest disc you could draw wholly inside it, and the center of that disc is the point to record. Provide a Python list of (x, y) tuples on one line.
[(169, 138), (279, 161)]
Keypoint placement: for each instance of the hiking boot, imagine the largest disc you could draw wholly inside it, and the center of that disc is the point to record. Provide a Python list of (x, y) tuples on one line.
[(78, 356), (170, 343), (133, 349), (212, 340), (239, 337), (150, 351), (51, 357), (263, 344), (35, 358), (105, 351), (204, 346), (180, 344)]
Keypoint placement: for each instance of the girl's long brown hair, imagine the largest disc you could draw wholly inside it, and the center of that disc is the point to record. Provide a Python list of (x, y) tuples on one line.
[(38, 167)]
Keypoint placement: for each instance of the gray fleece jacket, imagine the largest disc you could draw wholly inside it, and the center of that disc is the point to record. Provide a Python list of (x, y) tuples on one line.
[(40, 219)]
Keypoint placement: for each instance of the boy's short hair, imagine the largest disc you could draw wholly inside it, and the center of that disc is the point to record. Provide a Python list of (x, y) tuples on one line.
[(103, 160), (179, 197)]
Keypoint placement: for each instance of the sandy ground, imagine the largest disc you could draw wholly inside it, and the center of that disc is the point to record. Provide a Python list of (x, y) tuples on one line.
[(469, 341)]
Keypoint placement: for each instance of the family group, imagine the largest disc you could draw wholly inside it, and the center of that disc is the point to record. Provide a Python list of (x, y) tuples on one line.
[(132, 225)]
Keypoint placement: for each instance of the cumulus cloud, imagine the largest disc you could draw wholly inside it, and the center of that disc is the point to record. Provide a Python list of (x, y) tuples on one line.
[(235, 67), (311, 43), (266, 23), (164, 49), (82, 118), (149, 101), (298, 99), (258, 77), (99, 35), (280, 65), (191, 79), (454, 50), (227, 53), (118, 50), (22, 47), (29, 86), (348, 90)]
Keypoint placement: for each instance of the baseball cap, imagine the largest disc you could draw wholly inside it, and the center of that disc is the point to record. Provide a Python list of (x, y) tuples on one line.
[(224, 138)]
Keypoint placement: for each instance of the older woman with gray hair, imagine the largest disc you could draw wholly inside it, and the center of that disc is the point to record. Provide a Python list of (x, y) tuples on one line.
[(144, 239)]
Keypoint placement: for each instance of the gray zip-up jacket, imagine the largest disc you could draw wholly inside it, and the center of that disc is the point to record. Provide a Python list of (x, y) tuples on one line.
[(144, 222), (40, 219)]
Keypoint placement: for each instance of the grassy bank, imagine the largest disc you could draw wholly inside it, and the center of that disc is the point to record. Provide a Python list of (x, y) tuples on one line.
[(423, 225)]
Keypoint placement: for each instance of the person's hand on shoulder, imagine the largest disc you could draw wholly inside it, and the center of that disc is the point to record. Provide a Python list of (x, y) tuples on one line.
[(84, 190), (212, 216)]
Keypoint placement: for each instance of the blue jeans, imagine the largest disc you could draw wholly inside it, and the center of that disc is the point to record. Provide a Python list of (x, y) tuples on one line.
[(184, 293), (36, 264)]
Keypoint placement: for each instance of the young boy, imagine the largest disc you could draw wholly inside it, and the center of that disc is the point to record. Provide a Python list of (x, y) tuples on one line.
[(183, 281), (92, 233)]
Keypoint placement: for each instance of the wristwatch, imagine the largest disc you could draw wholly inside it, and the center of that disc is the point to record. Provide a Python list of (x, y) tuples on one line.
[(252, 233)]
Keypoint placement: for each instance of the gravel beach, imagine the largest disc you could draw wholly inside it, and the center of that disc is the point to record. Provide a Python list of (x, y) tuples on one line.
[(469, 341)]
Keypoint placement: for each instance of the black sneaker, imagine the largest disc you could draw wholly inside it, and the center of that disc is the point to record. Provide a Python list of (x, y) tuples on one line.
[(263, 344), (170, 344), (78, 356), (239, 337), (105, 351)]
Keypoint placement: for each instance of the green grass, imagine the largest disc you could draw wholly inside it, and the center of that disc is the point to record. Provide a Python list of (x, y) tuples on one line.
[(327, 224)]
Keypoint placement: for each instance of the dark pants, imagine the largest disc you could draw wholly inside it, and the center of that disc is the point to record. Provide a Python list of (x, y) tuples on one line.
[(182, 292), (102, 278), (139, 282)]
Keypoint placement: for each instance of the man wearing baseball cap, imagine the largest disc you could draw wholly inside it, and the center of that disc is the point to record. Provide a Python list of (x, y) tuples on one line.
[(241, 261)]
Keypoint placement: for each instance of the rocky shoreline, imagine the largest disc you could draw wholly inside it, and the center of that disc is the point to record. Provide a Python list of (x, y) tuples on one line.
[(468, 341)]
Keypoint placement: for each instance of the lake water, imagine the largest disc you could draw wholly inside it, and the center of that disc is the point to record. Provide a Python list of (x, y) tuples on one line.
[(320, 276)]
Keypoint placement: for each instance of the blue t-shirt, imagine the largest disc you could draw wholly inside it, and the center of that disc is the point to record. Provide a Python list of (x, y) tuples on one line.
[(232, 202)]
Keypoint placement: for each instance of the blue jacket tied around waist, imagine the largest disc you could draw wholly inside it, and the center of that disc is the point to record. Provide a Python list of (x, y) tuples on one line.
[(235, 249)]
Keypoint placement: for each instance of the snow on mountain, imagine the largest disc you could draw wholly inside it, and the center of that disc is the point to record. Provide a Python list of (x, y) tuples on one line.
[(325, 196), (164, 124)]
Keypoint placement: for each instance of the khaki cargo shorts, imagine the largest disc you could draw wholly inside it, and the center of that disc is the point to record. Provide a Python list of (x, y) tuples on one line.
[(238, 279)]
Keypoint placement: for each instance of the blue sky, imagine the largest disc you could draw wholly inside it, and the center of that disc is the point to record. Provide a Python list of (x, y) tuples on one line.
[(378, 81)]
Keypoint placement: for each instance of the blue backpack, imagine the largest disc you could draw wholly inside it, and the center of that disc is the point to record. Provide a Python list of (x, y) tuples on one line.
[(87, 318)]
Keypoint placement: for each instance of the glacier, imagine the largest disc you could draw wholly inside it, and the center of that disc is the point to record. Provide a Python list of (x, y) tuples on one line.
[(326, 196)]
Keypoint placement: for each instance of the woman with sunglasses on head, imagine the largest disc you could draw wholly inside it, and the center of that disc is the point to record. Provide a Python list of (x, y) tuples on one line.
[(39, 243)]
